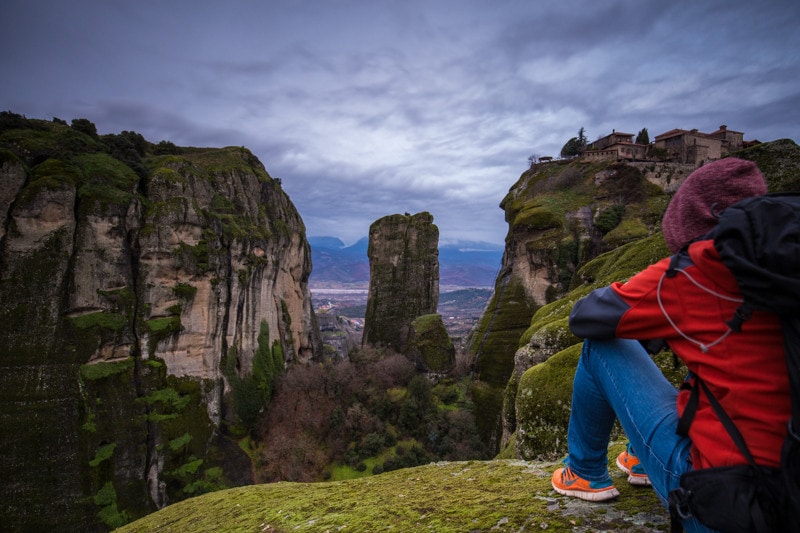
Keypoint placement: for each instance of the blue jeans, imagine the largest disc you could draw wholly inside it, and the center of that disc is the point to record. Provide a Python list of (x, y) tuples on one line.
[(617, 379)]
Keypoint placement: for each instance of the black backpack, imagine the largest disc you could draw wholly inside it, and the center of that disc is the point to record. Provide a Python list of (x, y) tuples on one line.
[(758, 239)]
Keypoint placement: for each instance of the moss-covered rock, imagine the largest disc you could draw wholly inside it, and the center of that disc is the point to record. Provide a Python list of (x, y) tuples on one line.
[(542, 406), (493, 343), (404, 277), (779, 161), (429, 345), (560, 216), (626, 231), (478, 496)]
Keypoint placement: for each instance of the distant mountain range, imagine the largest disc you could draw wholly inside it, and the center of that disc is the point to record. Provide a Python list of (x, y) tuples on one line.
[(461, 264)]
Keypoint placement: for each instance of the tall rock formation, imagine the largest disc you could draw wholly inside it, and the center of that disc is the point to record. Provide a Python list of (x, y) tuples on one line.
[(150, 295), (404, 277), (561, 216), (537, 396)]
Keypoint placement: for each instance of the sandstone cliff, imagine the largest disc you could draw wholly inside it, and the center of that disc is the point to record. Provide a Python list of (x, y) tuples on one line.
[(150, 294), (404, 277)]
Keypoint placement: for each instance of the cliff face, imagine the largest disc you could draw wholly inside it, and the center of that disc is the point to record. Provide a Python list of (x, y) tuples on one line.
[(404, 277), (148, 299)]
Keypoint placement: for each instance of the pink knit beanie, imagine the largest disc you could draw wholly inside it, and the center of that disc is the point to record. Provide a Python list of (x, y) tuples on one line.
[(700, 199)]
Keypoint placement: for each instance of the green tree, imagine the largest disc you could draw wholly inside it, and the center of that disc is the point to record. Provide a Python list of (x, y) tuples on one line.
[(84, 125), (575, 146), (572, 148), (252, 391), (643, 137), (582, 140)]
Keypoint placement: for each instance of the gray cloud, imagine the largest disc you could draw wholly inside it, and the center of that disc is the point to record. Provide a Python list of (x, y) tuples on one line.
[(364, 109)]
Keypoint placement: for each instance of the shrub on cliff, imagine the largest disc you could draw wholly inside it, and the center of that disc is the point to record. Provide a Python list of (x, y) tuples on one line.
[(252, 391)]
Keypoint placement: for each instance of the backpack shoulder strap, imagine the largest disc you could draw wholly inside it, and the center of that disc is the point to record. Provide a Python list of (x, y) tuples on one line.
[(790, 454), (730, 427), (690, 411)]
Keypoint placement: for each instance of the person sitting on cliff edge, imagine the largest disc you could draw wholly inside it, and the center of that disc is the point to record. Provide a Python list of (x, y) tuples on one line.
[(616, 377)]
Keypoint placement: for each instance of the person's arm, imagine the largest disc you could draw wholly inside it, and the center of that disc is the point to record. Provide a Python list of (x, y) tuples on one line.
[(628, 310), (597, 315)]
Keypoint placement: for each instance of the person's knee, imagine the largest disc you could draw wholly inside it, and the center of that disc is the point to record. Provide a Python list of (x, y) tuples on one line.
[(594, 349), (592, 354), (608, 351)]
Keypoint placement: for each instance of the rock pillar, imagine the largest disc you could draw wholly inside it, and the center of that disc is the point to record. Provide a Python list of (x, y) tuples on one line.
[(404, 277)]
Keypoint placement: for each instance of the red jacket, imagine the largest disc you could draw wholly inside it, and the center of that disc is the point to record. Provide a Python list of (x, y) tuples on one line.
[(746, 371)]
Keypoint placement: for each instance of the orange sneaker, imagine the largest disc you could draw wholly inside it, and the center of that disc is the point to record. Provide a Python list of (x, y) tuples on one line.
[(629, 463), (567, 483)]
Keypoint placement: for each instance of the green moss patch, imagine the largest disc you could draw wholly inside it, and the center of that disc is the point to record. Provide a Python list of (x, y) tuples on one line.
[(538, 217), (496, 337), (431, 340), (779, 161), (168, 397), (543, 403), (622, 263), (106, 499), (103, 453), (628, 230), (104, 370), (51, 175), (472, 496), (107, 180), (101, 319), (224, 161), (162, 328), (180, 442)]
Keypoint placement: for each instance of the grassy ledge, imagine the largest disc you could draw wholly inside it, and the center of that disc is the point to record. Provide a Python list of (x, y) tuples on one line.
[(463, 496)]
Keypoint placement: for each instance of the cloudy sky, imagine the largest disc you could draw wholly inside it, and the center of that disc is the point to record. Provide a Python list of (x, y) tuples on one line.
[(365, 108)]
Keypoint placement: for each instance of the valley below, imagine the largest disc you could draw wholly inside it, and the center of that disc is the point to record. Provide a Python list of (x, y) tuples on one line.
[(460, 307)]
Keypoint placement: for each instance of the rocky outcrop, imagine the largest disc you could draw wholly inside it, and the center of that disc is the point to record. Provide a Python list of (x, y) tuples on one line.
[(150, 293), (535, 399), (340, 335), (475, 496), (429, 346), (404, 277), (559, 216)]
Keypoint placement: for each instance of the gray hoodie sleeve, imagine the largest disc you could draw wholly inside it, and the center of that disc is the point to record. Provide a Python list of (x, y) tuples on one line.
[(597, 315)]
